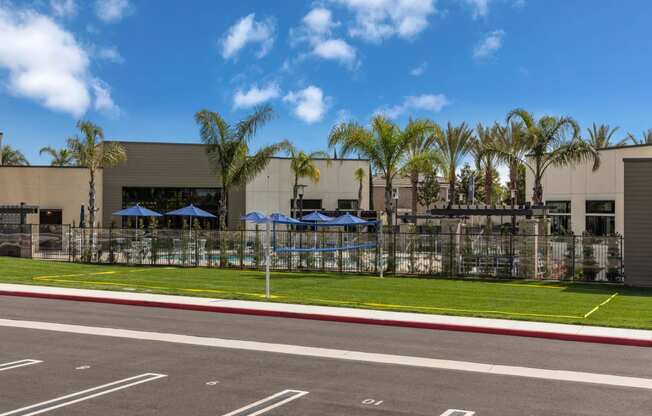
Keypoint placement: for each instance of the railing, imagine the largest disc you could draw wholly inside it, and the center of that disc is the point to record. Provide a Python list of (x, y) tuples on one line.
[(513, 256)]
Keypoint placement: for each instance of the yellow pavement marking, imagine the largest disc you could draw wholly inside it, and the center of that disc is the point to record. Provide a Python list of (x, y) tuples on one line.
[(600, 305)]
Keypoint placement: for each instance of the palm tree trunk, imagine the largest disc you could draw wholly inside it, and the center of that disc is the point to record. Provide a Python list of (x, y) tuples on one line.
[(295, 196), (91, 197), (360, 195), (224, 207), (451, 188), (414, 179), (388, 201), (488, 182)]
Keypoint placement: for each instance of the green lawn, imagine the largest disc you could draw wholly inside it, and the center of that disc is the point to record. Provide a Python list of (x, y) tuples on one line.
[(549, 302)]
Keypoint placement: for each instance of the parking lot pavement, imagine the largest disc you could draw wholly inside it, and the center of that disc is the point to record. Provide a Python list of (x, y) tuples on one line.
[(110, 374)]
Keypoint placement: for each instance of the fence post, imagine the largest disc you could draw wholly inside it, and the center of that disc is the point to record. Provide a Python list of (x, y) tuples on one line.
[(573, 257), (339, 253), (242, 248)]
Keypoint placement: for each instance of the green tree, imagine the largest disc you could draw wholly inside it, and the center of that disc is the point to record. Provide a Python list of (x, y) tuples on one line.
[(646, 137), (303, 165), (12, 157), (421, 154), (463, 181), (601, 137), (384, 144), (511, 139), (428, 193), (454, 144), (61, 157), (359, 175), (91, 151), (547, 144), (486, 162), (227, 148)]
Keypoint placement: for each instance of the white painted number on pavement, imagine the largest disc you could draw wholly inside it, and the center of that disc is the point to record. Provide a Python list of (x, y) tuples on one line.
[(212, 383), (83, 367), (372, 402), (457, 412)]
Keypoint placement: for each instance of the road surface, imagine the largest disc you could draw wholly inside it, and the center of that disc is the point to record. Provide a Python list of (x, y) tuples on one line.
[(74, 358)]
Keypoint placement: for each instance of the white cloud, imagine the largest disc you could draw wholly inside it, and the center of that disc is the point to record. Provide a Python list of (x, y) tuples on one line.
[(336, 49), (488, 46), (426, 102), (479, 8), (319, 20), (419, 70), (64, 8), (310, 105), (103, 101), (111, 54), (255, 95), (376, 20), (45, 63), (316, 30), (248, 30), (111, 11)]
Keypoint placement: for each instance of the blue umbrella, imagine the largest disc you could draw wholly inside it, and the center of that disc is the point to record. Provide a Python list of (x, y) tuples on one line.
[(347, 219), (136, 211), (283, 219), (316, 217), (255, 217), (190, 211)]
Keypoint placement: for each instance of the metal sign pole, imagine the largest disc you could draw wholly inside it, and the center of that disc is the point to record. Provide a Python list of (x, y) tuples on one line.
[(381, 266)]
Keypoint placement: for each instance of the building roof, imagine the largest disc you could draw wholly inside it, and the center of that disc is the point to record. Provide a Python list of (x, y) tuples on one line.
[(401, 181)]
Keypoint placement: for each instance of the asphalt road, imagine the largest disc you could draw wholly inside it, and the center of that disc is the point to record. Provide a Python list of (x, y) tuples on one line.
[(111, 373)]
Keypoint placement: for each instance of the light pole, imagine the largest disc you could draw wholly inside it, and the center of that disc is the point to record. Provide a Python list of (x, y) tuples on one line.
[(300, 191), (1, 135), (513, 200)]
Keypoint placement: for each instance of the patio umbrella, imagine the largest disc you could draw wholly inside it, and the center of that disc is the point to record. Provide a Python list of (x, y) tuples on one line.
[(347, 219), (192, 212), (283, 219), (255, 217), (316, 217), (136, 211)]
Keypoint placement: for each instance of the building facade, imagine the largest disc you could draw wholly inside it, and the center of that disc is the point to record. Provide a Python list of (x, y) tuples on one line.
[(168, 176), (59, 192), (586, 200)]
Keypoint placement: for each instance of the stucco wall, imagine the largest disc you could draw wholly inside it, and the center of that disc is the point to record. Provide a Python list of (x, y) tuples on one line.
[(271, 190), (49, 188), (580, 183)]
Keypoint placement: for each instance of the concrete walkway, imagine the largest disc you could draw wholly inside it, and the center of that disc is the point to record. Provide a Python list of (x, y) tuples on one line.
[(581, 333)]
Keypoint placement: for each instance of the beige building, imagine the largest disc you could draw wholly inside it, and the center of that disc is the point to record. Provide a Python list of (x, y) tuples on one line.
[(58, 192), (588, 200), (337, 189), (403, 186)]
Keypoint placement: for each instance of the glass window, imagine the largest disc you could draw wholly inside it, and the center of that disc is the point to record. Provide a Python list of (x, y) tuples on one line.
[(308, 204), (560, 216), (347, 204), (600, 207), (162, 199), (600, 218), (600, 225)]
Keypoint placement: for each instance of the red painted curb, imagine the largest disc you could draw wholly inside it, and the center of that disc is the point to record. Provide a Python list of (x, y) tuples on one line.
[(347, 319)]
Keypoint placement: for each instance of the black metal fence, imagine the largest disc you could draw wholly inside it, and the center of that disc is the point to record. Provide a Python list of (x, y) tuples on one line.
[(513, 256)]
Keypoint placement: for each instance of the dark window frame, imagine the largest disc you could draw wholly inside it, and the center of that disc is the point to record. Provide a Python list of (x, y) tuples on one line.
[(354, 204)]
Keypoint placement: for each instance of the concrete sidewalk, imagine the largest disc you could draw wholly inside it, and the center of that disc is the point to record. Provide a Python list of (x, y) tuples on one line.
[(580, 333)]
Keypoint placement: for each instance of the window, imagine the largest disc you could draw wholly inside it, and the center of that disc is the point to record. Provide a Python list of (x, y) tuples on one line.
[(600, 217), (168, 199), (560, 217), (50, 216), (308, 204), (347, 204)]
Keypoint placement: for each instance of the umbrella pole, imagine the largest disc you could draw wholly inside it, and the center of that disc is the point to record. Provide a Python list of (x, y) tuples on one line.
[(268, 255)]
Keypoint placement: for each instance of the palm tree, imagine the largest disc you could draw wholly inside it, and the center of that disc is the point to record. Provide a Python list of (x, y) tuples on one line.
[(359, 174), (62, 157), (91, 151), (303, 165), (547, 145), (454, 144), (646, 137), (384, 144), (12, 157), (486, 162), (511, 139), (421, 154), (227, 147), (600, 137)]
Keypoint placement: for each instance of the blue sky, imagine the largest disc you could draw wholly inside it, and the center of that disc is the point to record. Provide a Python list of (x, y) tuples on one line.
[(141, 69)]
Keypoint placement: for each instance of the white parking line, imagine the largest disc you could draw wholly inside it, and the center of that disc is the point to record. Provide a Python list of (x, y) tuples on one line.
[(367, 357), (16, 364), (268, 403), (80, 396)]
